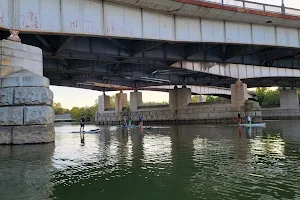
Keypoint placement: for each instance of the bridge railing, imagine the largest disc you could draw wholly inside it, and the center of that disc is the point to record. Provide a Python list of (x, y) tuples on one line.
[(257, 6)]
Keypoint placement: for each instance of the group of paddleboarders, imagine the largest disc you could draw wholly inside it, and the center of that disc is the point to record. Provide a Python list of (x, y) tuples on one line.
[(125, 124), (249, 119)]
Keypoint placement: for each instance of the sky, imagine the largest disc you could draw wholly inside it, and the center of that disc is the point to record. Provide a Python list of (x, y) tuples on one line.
[(70, 97), (75, 97)]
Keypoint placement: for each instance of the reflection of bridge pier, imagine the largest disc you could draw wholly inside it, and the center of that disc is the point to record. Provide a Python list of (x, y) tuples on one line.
[(182, 160), (123, 149), (26, 171), (137, 151)]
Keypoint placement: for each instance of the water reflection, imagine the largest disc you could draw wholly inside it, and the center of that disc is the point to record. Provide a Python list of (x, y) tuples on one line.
[(176, 162), (26, 171)]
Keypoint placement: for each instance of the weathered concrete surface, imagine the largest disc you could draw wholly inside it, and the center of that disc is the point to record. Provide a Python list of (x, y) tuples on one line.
[(121, 101), (33, 134), (38, 115), (33, 96), (6, 96), (26, 115), (24, 78), (280, 113), (136, 100), (289, 98), (194, 113), (7, 70), (21, 56), (5, 135), (103, 103), (11, 116), (179, 98), (239, 94)]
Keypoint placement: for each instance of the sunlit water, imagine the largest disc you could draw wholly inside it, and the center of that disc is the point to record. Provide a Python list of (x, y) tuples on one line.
[(176, 162)]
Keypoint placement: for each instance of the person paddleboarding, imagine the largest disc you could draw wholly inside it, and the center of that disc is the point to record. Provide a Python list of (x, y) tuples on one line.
[(82, 120)]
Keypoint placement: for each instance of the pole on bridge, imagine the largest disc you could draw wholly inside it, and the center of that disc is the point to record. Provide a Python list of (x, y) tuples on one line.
[(282, 6)]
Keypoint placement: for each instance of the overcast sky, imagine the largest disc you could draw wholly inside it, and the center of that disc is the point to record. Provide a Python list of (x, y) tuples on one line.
[(70, 97)]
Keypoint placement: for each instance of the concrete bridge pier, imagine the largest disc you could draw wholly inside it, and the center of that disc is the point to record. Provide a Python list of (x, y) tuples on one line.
[(26, 114), (180, 98), (136, 100), (121, 101), (288, 98), (239, 94), (103, 103)]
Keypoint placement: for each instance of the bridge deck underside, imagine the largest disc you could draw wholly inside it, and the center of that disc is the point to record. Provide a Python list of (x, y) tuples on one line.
[(69, 60)]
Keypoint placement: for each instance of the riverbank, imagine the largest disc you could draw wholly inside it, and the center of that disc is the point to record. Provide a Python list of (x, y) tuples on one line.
[(195, 113)]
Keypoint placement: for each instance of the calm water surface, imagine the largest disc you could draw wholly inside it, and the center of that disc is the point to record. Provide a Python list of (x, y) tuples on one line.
[(175, 162)]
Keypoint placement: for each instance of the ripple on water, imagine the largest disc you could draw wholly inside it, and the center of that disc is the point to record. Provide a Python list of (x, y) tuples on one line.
[(176, 162)]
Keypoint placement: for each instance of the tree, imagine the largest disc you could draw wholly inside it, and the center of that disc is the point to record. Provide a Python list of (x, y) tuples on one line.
[(113, 101), (152, 103), (75, 113), (268, 98), (194, 98), (58, 109)]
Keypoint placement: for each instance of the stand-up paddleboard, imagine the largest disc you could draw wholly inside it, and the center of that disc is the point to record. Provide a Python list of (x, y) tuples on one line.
[(88, 132), (254, 125)]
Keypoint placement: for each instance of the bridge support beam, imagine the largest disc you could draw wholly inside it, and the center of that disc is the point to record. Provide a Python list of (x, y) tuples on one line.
[(26, 114), (103, 103), (239, 94), (179, 98), (288, 98), (121, 101), (136, 100)]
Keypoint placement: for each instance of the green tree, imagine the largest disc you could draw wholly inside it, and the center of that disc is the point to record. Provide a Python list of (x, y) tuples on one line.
[(58, 109), (75, 113), (268, 98), (113, 101), (88, 112), (195, 98), (152, 103)]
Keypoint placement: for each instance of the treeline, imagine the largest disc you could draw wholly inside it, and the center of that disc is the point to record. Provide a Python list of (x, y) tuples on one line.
[(209, 99), (76, 112), (268, 98)]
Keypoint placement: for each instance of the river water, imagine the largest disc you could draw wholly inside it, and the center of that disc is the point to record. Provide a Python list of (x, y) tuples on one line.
[(172, 162)]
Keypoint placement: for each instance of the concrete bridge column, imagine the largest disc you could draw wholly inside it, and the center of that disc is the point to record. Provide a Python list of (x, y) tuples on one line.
[(202, 98), (239, 94), (288, 98), (180, 98), (121, 101), (136, 100), (26, 114), (103, 103)]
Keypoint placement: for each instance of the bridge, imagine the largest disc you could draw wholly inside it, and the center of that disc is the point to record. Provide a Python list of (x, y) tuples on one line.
[(140, 44)]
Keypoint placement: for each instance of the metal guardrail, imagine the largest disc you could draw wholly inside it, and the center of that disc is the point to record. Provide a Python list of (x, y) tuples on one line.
[(257, 6)]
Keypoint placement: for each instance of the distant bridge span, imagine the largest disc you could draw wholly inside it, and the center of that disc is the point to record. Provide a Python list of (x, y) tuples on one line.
[(200, 90)]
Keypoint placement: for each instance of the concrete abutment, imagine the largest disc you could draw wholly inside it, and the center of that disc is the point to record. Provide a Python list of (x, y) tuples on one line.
[(26, 114), (181, 110), (289, 98)]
